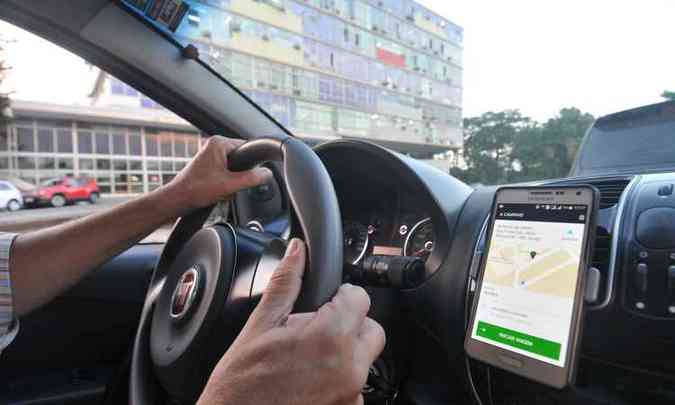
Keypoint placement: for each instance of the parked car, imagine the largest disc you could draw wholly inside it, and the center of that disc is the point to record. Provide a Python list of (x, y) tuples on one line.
[(66, 190), (10, 197), (28, 190)]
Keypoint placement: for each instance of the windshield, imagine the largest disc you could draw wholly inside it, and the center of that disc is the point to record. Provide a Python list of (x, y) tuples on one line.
[(467, 87)]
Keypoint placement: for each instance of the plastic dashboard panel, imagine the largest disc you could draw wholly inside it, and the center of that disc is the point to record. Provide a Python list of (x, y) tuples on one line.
[(457, 216)]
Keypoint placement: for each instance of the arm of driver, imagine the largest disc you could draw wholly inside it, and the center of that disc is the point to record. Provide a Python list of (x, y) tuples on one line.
[(46, 262)]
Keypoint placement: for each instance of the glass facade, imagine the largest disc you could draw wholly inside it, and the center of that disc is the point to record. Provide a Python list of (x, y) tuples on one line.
[(385, 69), (122, 159)]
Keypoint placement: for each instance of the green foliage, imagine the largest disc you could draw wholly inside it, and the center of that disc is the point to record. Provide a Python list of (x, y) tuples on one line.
[(506, 147), (488, 147), (669, 95)]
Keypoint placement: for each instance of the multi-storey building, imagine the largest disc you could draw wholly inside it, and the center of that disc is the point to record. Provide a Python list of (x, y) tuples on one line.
[(388, 71)]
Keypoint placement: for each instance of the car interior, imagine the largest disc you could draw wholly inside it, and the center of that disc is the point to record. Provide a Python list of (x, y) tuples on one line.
[(103, 341)]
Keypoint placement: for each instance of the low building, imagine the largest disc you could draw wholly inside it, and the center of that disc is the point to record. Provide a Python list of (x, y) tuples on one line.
[(127, 150)]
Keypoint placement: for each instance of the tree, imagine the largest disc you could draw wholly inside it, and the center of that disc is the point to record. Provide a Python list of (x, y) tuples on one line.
[(506, 147), (549, 150), (669, 95), (488, 145)]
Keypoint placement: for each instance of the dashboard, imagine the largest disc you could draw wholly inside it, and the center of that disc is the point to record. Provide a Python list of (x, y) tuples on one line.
[(395, 206), (385, 221)]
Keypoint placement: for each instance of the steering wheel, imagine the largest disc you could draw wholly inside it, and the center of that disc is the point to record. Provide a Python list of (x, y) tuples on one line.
[(207, 279)]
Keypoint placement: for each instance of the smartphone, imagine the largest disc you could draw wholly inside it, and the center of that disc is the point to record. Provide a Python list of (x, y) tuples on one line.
[(528, 306)]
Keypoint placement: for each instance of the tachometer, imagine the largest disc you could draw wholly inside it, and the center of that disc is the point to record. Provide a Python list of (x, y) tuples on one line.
[(420, 240), (355, 241)]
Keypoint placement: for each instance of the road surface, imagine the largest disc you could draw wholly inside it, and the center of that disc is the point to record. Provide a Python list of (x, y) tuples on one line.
[(36, 218)]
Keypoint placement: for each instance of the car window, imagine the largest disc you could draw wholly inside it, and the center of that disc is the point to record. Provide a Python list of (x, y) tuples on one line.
[(88, 130), (51, 183), (4, 187)]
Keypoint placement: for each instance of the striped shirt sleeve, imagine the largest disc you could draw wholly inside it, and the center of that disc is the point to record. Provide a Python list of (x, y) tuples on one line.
[(9, 325)]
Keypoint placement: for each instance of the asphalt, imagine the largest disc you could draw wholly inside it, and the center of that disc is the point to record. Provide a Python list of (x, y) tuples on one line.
[(32, 218)]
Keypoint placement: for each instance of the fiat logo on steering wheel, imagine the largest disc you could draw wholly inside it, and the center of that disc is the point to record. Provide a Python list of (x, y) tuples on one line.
[(185, 293)]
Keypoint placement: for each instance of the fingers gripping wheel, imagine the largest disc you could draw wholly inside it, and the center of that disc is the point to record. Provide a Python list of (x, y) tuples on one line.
[(317, 214), (175, 327)]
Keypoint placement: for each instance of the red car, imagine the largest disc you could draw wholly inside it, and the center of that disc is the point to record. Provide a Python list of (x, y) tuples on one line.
[(62, 191)]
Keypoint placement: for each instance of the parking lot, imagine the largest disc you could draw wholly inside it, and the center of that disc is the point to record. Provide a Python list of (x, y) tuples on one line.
[(31, 219)]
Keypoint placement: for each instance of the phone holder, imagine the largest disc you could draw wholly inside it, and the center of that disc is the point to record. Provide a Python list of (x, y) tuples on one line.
[(592, 285)]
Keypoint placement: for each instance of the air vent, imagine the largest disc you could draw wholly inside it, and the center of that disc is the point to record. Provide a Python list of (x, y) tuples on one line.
[(602, 250), (610, 191)]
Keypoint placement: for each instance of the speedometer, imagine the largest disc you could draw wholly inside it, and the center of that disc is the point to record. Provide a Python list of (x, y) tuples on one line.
[(420, 240), (355, 241)]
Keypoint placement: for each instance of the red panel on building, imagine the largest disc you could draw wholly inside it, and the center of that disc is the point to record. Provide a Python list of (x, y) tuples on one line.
[(390, 58)]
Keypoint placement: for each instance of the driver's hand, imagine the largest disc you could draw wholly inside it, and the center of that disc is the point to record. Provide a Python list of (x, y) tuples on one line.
[(206, 179), (311, 358)]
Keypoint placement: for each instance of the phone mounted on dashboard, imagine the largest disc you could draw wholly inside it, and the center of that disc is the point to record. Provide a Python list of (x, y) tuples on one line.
[(533, 280)]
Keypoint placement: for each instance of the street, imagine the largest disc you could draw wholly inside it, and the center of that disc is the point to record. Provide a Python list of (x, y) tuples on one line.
[(31, 219)]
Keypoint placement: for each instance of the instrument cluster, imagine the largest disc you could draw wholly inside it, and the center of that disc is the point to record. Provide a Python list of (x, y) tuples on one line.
[(410, 234)]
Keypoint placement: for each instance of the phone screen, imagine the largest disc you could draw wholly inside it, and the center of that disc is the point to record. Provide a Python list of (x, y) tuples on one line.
[(526, 302)]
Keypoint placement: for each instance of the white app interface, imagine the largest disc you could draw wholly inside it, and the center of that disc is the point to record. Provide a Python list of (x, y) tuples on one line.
[(527, 296)]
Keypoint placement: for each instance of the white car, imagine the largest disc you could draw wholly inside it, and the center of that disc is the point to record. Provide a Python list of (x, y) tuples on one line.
[(10, 197)]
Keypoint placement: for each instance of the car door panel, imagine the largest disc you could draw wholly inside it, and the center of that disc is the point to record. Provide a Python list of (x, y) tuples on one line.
[(70, 350)]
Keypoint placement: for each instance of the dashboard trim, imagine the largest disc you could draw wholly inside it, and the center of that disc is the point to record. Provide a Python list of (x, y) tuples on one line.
[(411, 232), (477, 256), (616, 230)]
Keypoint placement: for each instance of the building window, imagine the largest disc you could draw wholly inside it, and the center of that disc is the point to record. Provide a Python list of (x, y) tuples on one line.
[(121, 183), (65, 163), (149, 103), (103, 164), (193, 145), (3, 139), (165, 144), (119, 144), (86, 164), (135, 148), (179, 146), (45, 140), (167, 166), (136, 165), (25, 139), (152, 165), (102, 143), (151, 148), (46, 163), (166, 178), (179, 165), (64, 141), (116, 87), (27, 163), (84, 142), (103, 182), (120, 165), (314, 117)]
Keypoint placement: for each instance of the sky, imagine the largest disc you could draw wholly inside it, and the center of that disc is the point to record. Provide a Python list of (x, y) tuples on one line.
[(538, 56)]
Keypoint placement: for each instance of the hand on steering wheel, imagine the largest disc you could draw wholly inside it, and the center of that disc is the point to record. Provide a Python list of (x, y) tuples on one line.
[(209, 278), (207, 178), (317, 357)]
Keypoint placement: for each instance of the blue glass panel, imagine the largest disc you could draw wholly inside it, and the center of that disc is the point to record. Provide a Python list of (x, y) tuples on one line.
[(324, 88), (117, 87)]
